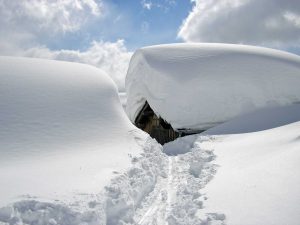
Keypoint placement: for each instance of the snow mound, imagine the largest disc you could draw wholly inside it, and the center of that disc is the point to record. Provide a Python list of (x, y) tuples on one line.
[(63, 131), (197, 86), (258, 179)]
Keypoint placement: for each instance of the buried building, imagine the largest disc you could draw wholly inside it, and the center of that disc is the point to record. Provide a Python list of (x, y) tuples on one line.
[(159, 129), (179, 89)]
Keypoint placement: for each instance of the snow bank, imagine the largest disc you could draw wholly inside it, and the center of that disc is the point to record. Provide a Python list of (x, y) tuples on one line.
[(251, 178), (115, 205), (63, 131), (257, 180), (197, 86)]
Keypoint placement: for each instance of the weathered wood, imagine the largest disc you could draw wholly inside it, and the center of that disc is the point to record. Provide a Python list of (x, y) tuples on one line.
[(156, 127)]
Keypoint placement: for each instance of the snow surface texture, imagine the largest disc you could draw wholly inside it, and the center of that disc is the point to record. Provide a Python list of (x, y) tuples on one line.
[(125, 177), (196, 86), (258, 120), (123, 99), (63, 132), (258, 179), (115, 204), (235, 179)]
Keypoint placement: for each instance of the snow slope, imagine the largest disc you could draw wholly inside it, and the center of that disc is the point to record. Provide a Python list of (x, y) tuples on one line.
[(63, 131), (258, 178), (197, 86), (250, 179)]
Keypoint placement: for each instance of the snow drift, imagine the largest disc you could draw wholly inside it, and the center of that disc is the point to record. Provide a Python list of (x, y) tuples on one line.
[(69, 155), (258, 178), (63, 130), (251, 178), (196, 86)]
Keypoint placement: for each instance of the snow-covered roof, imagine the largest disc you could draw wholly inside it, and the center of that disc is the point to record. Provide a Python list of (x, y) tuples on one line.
[(196, 86)]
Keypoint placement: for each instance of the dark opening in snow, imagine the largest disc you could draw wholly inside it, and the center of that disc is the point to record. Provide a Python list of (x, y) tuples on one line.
[(157, 127)]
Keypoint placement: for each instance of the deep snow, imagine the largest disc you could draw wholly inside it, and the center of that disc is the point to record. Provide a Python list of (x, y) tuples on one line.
[(197, 86), (250, 179), (258, 120), (63, 130), (258, 178), (69, 155)]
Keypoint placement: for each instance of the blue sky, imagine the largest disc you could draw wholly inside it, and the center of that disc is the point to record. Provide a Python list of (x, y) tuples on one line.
[(138, 23), (75, 24)]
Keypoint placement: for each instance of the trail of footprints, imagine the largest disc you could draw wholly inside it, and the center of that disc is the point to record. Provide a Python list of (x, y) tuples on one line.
[(158, 189), (177, 198)]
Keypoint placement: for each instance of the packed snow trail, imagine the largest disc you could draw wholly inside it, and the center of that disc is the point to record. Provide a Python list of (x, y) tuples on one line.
[(163, 187), (154, 209), (177, 198), (168, 186)]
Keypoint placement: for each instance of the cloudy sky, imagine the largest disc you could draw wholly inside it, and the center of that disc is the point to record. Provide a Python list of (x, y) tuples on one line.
[(104, 33)]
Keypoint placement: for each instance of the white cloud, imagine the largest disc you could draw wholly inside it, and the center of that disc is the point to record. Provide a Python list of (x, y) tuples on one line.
[(147, 4), (113, 58), (23, 23), (26, 25), (262, 22), (48, 15), (164, 5)]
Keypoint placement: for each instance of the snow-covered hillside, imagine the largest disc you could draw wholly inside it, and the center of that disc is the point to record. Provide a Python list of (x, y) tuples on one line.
[(63, 137), (197, 86)]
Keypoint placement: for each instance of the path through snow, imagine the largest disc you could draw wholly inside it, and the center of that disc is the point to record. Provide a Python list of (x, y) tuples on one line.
[(163, 187), (177, 199)]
